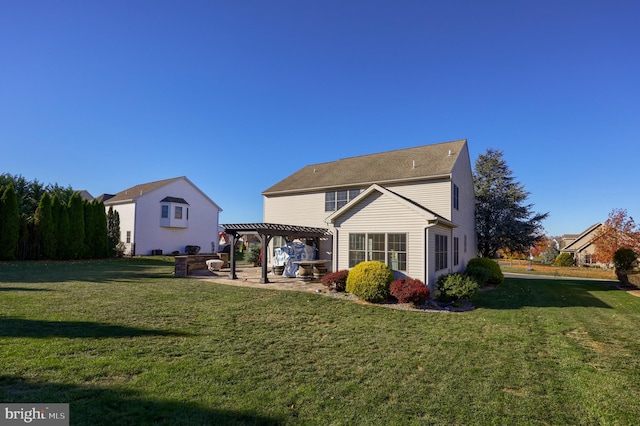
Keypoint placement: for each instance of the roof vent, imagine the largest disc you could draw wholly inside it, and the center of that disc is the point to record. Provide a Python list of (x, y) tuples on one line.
[(413, 166), (450, 153)]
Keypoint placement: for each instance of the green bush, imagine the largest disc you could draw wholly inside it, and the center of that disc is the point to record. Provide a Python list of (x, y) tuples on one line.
[(453, 287), (370, 281), (624, 259), (564, 259), (485, 271), (253, 256)]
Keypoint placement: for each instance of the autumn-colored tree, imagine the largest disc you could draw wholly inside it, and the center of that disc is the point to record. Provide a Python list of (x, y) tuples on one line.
[(619, 231)]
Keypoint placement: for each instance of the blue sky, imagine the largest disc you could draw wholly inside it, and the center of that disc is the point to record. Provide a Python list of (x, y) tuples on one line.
[(237, 95)]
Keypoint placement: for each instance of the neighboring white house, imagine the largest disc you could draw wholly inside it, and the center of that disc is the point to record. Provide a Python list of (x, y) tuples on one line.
[(166, 216), (413, 209)]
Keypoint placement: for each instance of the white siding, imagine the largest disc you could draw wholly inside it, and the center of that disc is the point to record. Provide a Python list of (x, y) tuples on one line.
[(464, 217), (127, 215), (302, 209), (434, 195), (381, 214), (144, 220)]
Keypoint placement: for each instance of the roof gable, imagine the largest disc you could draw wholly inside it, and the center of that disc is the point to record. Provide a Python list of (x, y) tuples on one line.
[(428, 161), (583, 240), (130, 195), (428, 215)]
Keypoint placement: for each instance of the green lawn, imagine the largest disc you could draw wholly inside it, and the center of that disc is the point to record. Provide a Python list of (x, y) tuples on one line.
[(124, 343)]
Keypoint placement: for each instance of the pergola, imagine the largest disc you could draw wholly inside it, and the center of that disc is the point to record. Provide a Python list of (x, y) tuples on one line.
[(266, 231)]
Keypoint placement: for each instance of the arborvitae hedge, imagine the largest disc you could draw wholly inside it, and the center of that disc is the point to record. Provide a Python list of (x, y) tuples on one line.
[(76, 224), (113, 230), (9, 224), (46, 228)]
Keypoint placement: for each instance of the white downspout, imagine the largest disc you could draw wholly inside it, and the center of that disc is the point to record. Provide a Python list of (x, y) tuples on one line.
[(426, 250)]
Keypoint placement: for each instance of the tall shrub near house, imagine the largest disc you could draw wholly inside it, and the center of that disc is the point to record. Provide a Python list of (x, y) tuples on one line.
[(76, 224), (9, 223), (102, 232), (113, 230), (45, 227), (95, 225), (61, 220)]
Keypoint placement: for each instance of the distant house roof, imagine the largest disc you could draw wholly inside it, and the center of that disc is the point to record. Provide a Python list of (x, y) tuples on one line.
[(409, 164), (583, 240), (85, 195), (130, 194), (104, 197)]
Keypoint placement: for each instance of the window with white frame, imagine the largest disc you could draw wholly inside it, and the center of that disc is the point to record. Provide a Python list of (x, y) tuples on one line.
[(335, 200), (174, 213), (441, 252), (390, 248)]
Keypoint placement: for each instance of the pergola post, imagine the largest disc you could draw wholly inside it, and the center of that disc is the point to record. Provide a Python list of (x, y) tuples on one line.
[(264, 240), (232, 255)]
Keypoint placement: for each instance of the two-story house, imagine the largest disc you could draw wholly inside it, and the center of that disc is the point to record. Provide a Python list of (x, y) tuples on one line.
[(166, 216), (413, 209)]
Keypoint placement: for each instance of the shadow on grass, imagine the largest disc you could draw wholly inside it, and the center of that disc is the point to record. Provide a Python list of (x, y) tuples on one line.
[(99, 271), (23, 289), (20, 327), (517, 293), (104, 406)]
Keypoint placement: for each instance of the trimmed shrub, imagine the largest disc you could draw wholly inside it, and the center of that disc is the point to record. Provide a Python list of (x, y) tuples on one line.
[(370, 281), (485, 271), (453, 287), (409, 290), (564, 259), (336, 280), (624, 259)]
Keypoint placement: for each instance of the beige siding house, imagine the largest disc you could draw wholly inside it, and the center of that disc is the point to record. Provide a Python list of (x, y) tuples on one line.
[(413, 209), (580, 246)]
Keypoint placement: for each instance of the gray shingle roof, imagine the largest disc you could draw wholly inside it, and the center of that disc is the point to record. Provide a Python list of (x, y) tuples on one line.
[(135, 191), (385, 167)]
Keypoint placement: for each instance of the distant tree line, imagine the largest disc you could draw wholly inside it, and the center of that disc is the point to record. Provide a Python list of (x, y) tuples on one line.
[(54, 223)]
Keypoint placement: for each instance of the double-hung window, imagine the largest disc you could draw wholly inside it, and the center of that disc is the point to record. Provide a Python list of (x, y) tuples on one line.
[(335, 200), (441, 252), (390, 249)]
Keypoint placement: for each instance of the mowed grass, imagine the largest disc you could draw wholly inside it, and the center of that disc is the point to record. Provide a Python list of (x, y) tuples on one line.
[(125, 343)]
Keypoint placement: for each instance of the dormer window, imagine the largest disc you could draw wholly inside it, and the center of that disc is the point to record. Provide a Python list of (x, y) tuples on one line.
[(180, 209)]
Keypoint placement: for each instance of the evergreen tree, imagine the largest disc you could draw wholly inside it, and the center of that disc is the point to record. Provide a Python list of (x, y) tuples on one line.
[(101, 234), (76, 227), (89, 230), (9, 224), (46, 228), (113, 229), (503, 221), (61, 219)]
